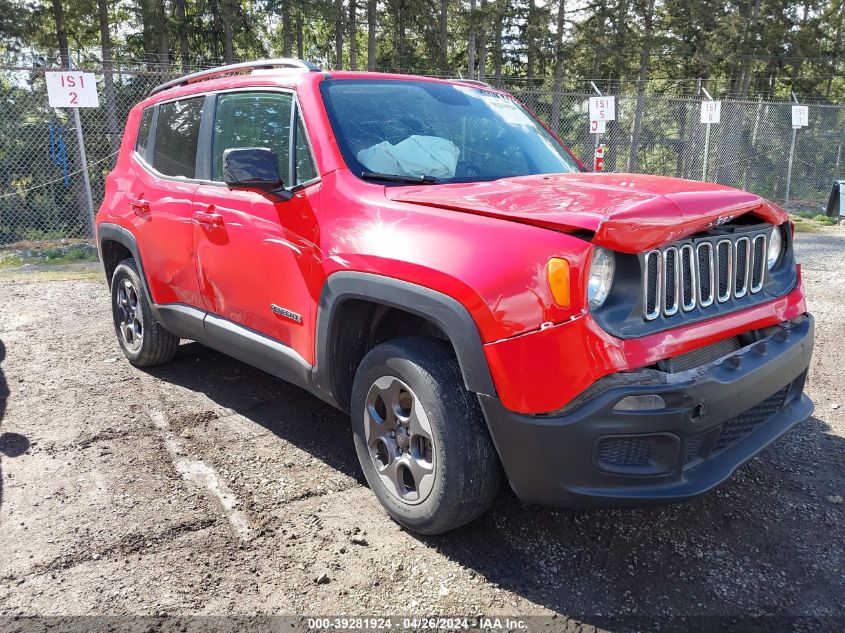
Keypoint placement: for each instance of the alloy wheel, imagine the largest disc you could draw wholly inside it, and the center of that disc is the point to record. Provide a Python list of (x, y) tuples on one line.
[(129, 315), (399, 440)]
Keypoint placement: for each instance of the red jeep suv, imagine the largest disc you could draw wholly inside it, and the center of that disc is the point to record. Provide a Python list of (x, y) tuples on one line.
[(428, 256)]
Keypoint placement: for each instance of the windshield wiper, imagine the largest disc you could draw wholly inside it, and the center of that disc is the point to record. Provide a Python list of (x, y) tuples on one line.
[(411, 180)]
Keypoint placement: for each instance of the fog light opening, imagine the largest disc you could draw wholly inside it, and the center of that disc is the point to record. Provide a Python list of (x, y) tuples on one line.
[(645, 402)]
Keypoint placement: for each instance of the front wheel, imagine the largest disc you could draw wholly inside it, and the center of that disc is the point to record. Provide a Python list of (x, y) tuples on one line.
[(421, 437)]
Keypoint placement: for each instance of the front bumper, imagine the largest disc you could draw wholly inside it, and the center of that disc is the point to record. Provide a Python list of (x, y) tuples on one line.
[(717, 417)]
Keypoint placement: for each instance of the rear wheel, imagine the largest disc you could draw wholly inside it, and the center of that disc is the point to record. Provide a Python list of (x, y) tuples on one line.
[(143, 339), (420, 436)]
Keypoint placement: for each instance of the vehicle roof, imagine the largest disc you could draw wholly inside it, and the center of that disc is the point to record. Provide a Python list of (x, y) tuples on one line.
[(293, 79)]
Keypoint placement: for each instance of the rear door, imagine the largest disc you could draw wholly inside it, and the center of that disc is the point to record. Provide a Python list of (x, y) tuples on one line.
[(160, 195), (256, 255)]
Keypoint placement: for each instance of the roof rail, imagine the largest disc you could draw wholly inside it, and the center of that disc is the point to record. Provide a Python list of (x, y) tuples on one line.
[(203, 75), (476, 82)]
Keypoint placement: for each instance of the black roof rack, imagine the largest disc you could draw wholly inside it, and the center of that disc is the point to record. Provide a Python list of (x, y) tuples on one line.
[(475, 82), (202, 75)]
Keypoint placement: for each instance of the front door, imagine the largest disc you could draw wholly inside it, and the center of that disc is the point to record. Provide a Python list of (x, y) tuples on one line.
[(255, 254)]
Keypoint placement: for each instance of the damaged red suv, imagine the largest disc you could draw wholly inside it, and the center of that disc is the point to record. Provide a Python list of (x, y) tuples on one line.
[(427, 256)]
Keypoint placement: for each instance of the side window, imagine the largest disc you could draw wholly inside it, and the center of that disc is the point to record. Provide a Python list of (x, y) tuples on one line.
[(142, 141), (252, 119), (305, 169), (177, 132)]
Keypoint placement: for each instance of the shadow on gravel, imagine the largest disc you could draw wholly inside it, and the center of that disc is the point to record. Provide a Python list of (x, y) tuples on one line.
[(282, 408), (11, 444), (767, 542)]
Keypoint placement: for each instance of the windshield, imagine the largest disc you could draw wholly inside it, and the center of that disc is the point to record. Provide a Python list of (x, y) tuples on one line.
[(435, 132)]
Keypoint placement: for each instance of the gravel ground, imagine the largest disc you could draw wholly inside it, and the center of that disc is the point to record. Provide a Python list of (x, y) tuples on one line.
[(208, 487)]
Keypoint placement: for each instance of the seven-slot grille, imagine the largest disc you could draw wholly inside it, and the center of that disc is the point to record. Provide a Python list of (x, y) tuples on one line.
[(679, 278)]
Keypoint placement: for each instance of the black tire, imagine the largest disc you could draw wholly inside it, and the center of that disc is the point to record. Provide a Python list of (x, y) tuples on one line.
[(466, 471), (143, 339)]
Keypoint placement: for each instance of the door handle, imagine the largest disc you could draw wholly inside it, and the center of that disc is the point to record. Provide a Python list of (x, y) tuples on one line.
[(209, 218), (139, 206)]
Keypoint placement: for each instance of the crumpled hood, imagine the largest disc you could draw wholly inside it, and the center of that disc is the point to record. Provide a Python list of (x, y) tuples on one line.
[(627, 212)]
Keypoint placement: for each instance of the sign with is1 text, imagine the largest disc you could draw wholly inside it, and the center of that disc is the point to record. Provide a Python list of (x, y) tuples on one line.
[(72, 89), (602, 108), (711, 111), (800, 116)]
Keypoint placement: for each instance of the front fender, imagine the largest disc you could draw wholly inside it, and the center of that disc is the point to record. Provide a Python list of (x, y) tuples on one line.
[(442, 310)]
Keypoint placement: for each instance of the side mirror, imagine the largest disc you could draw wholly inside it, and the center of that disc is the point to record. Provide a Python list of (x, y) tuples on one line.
[(254, 168)]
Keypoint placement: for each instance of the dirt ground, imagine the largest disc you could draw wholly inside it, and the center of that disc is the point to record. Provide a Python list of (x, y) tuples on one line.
[(207, 487)]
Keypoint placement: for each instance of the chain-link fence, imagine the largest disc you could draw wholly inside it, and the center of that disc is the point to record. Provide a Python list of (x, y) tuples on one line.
[(42, 194)]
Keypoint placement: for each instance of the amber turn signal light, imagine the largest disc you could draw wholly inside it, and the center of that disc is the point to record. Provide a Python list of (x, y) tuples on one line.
[(558, 273)]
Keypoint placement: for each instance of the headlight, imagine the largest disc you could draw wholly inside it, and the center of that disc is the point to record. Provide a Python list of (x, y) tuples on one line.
[(601, 277), (775, 248)]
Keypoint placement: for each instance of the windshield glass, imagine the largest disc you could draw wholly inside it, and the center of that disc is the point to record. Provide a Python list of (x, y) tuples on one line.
[(444, 132)]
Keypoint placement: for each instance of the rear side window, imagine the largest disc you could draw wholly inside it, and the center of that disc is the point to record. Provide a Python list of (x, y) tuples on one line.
[(144, 132), (177, 133), (254, 119)]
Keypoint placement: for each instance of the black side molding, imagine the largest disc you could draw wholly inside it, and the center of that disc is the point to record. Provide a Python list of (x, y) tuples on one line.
[(280, 360), (444, 311), (258, 350)]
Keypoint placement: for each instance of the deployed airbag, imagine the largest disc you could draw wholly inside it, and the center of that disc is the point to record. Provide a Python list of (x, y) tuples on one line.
[(415, 156)]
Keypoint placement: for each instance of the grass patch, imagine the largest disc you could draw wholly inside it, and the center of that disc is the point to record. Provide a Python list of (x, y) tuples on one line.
[(75, 272), (16, 257), (815, 216), (807, 221)]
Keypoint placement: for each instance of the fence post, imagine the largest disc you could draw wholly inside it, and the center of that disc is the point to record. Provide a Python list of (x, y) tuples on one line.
[(83, 159), (596, 88), (706, 140), (789, 168)]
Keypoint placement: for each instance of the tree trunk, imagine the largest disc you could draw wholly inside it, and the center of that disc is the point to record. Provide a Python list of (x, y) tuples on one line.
[(372, 15), (645, 56), (748, 45), (401, 34), (482, 43), (620, 50), (598, 55), (228, 35), (353, 35), (443, 23), (471, 40), (182, 28), (163, 36), (558, 69), (61, 33), (148, 19), (287, 38), (300, 40), (837, 49), (497, 44), (216, 30), (108, 79), (338, 34), (531, 53)]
